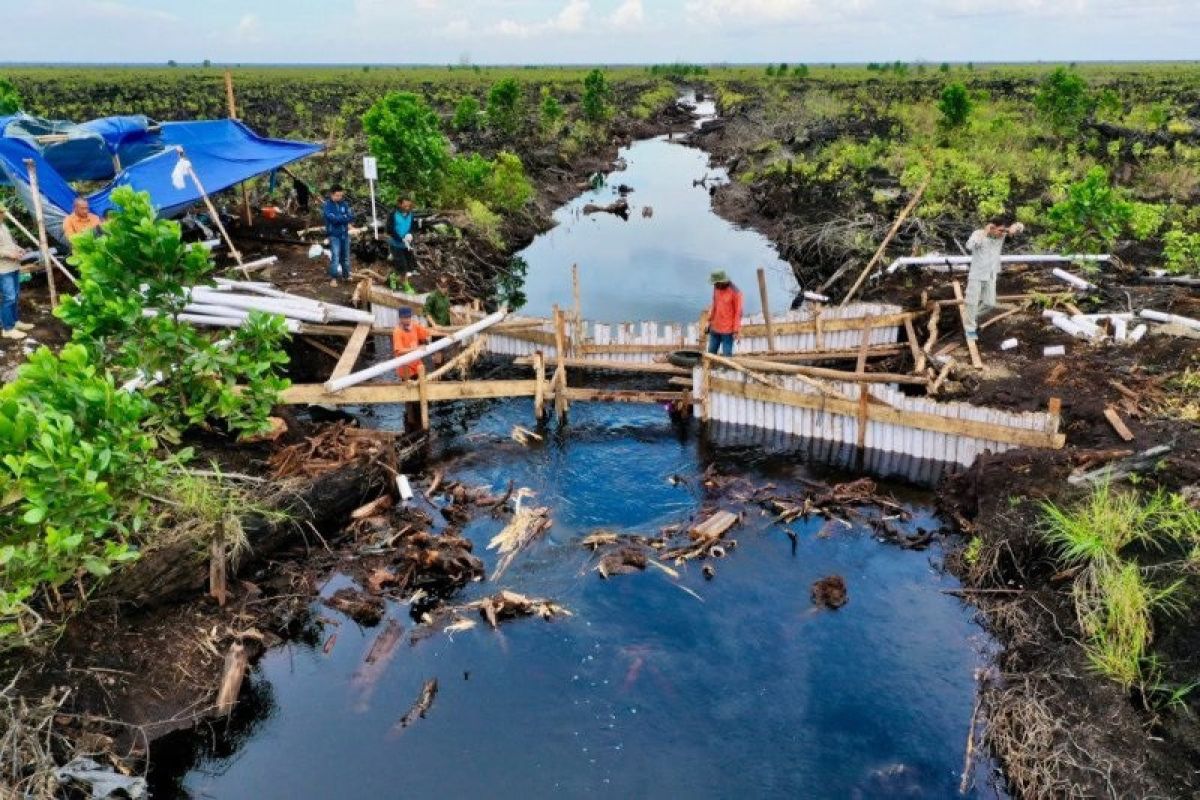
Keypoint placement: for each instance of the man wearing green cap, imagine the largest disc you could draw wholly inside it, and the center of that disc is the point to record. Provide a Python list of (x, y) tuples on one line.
[(725, 316)]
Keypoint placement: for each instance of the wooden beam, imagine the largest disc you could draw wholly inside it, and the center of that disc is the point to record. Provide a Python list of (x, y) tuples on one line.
[(1118, 424), (653, 368), (916, 198), (972, 344), (766, 308), (831, 374), (882, 413), (828, 325), (914, 347), (875, 351), (539, 394), (423, 395), (463, 359), (582, 395), (40, 216), (406, 392), (860, 365), (329, 351), (345, 364)]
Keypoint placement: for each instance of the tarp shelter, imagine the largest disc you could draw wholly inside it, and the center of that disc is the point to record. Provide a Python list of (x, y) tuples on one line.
[(133, 151)]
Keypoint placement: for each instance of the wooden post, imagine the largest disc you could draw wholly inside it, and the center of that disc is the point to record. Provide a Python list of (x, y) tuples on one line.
[(217, 584), (237, 256), (232, 675), (34, 240), (818, 320), (766, 309), (863, 346), (864, 416), (578, 336), (561, 406), (706, 385), (560, 336), (423, 394), (43, 245), (703, 337), (233, 115), (972, 344), (916, 198), (917, 353), (539, 397)]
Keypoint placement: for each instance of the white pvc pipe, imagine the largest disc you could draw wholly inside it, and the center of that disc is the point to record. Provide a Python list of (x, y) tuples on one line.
[(334, 312), (1118, 323), (1074, 280), (375, 371), (293, 326), (1054, 350), (1061, 322), (1093, 330), (1175, 319), (268, 304), (1137, 333), (1008, 344), (955, 262)]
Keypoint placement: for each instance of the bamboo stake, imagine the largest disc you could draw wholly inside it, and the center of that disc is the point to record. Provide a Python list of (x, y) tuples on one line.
[(916, 198), (212, 210), (39, 213), (539, 396), (423, 395), (233, 115), (34, 240), (766, 309)]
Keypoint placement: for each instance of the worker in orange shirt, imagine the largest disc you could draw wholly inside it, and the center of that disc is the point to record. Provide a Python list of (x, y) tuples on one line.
[(80, 220), (725, 316), (406, 337)]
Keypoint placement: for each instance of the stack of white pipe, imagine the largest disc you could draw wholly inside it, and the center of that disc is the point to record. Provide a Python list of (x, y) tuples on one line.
[(1171, 319), (1074, 280), (962, 263), (229, 303)]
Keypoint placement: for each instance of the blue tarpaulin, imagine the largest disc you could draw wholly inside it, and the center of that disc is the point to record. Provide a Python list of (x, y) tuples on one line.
[(223, 153)]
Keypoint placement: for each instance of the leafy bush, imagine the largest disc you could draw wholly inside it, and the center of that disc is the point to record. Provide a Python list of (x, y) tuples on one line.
[(955, 105), (500, 183), (505, 107), (507, 188), (800, 71), (466, 115), (1065, 101), (551, 113), (404, 134), (596, 96), (1091, 216), (76, 456), (485, 222), (510, 283), (142, 262), (1181, 251), (10, 100), (1146, 220)]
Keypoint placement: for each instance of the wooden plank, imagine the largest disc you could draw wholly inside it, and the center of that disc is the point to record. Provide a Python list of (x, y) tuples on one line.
[(342, 331), (560, 334), (705, 394), (882, 413), (830, 374), (392, 300), (908, 209), (1118, 424), (875, 351), (654, 367), (345, 364), (465, 356), (972, 344), (864, 345), (406, 392), (539, 394), (581, 395), (828, 325), (914, 347), (423, 395)]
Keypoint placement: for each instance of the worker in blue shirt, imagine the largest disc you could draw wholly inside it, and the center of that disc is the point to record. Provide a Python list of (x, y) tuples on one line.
[(338, 217), (400, 237)]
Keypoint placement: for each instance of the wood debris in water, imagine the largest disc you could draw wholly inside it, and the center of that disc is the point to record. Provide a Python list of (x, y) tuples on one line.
[(419, 709), (526, 525), (331, 448), (522, 435), (830, 592)]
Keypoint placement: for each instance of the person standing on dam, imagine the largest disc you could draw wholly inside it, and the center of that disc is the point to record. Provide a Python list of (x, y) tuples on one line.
[(985, 246), (725, 315)]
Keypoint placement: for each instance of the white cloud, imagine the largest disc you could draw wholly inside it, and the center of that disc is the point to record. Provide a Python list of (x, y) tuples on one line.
[(718, 12), (248, 30), (629, 15), (570, 19)]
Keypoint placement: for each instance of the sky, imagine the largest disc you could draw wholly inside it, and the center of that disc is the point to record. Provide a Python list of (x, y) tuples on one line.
[(598, 31)]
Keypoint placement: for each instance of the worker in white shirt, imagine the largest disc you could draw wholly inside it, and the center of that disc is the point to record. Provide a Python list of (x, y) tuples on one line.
[(10, 283), (985, 246)]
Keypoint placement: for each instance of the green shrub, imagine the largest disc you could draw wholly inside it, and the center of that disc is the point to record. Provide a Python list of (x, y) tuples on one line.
[(551, 113), (10, 100), (1064, 100), (142, 262), (596, 96), (76, 457), (499, 184), (955, 105), (1091, 216), (505, 107), (1146, 220), (405, 135), (466, 115), (1181, 251)]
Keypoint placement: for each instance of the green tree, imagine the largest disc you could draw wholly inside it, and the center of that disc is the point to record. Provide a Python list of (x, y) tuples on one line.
[(596, 96), (955, 105), (140, 263), (466, 114), (10, 100), (1091, 216), (551, 112), (783, 70), (945, 67), (505, 107), (770, 70), (800, 71), (1064, 100), (405, 135)]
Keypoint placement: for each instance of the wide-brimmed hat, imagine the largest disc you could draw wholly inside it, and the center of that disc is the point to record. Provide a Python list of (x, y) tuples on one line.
[(718, 277)]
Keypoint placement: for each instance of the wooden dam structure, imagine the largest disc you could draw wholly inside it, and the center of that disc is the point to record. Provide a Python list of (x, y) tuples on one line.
[(775, 389)]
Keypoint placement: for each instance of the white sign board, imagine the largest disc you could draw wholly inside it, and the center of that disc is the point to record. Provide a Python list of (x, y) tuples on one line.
[(370, 168)]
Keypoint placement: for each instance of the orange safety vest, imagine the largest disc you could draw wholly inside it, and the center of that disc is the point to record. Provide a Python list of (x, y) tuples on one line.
[(405, 341), (726, 313)]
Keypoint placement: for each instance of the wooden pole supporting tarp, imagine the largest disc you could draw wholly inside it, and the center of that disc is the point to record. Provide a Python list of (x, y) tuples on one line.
[(40, 214), (908, 209), (212, 210), (234, 115)]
